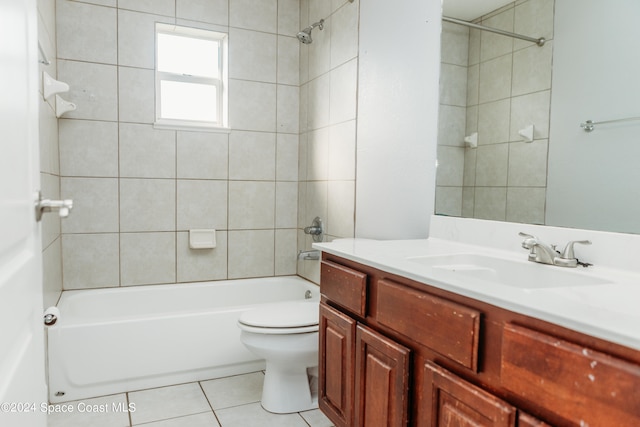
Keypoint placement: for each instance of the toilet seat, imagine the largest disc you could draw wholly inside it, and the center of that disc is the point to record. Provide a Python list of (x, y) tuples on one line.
[(292, 317)]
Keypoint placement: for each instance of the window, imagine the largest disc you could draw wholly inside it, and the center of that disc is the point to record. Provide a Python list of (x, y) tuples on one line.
[(191, 84)]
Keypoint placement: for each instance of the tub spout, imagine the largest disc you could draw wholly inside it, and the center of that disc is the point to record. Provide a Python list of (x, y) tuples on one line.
[(309, 255)]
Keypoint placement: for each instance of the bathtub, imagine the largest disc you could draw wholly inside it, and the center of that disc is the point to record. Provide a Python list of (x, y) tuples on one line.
[(114, 340)]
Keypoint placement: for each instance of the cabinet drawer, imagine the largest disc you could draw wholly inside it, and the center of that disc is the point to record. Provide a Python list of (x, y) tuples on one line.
[(444, 326), (344, 286), (578, 384)]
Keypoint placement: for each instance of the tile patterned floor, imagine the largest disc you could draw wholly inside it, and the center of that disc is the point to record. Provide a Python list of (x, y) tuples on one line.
[(224, 402)]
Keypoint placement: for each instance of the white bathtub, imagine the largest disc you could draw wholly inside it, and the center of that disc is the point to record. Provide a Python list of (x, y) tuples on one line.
[(121, 339)]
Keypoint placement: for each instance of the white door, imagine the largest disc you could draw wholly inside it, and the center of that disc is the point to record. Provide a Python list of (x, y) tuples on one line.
[(22, 378)]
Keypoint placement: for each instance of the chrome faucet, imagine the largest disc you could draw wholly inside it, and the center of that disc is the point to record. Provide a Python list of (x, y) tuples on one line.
[(547, 254), (316, 230)]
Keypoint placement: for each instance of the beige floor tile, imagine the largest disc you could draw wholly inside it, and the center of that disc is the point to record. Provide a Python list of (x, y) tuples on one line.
[(255, 416), (168, 402), (234, 391), (105, 411), (206, 419)]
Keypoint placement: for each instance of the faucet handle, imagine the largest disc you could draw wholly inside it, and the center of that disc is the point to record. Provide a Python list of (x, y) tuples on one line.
[(568, 253), (529, 242)]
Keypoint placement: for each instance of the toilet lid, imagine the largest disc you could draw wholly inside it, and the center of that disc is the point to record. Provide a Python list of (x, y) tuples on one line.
[(292, 314)]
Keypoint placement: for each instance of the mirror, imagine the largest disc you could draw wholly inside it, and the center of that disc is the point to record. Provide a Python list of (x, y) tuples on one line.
[(510, 145)]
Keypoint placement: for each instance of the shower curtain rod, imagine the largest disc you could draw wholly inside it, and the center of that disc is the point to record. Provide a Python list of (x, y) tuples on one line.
[(43, 56), (540, 41)]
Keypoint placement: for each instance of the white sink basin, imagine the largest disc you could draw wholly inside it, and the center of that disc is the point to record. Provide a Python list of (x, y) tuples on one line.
[(519, 274)]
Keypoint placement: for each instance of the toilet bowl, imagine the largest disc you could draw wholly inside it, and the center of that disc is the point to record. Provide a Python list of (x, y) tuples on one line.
[(286, 336)]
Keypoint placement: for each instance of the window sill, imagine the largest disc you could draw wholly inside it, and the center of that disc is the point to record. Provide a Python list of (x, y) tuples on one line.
[(191, 127)]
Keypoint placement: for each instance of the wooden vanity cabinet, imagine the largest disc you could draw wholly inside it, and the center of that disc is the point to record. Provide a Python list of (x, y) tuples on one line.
[(395, 352), (364, 376)]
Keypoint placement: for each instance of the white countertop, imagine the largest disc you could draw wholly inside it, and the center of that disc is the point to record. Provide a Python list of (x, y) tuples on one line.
[(610, 311)]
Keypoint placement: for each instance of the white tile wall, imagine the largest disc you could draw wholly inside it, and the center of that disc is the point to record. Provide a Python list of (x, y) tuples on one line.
[(136, 38), (344, 30), (260, 113), (52, 272), (95, 206), (88, 148), (146, 152), (328, 106), (318, 154), (532, 69), (160, 7), (342, 94), (147, 258), (138, 190), (201, 264), (495, 79), (286, 258), (288, 59), (93, 88), (252, 55), (251, 253), (49, 163), (136, 95), (287, 157), (342, 151), (211, 11), (147, 205), (87, 32), (259, 16), (251, 205), (287, 109), (492, 165), (507, 89), (201, 204), (252, 156), (202, 155), (286, 205), (96, 260)]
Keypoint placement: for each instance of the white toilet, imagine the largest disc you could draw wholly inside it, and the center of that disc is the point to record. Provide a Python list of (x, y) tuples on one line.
[(286, 336)]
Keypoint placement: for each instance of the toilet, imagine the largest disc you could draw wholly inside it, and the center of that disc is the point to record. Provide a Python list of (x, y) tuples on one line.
[(286, 336)]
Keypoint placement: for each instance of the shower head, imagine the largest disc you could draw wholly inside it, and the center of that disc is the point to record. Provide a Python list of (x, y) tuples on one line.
[(305, 35)]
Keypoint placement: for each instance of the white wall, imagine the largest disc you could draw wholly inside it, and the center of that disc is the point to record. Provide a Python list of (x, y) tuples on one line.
[(594, 178), (398, 75)]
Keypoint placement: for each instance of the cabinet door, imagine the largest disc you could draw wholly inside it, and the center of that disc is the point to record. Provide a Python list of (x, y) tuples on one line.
[(337, 339), (452, 402), (382, 380), (526, 420)]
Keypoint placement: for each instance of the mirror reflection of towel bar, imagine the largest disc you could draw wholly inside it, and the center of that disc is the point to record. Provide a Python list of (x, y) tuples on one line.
[(589, 125)]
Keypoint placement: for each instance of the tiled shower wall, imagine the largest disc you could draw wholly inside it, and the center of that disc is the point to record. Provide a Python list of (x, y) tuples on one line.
[(328, 109), (138, 190), (49, 160), (508, 87)]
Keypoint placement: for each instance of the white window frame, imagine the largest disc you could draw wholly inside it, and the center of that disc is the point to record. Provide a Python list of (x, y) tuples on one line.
[(221, 83)]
